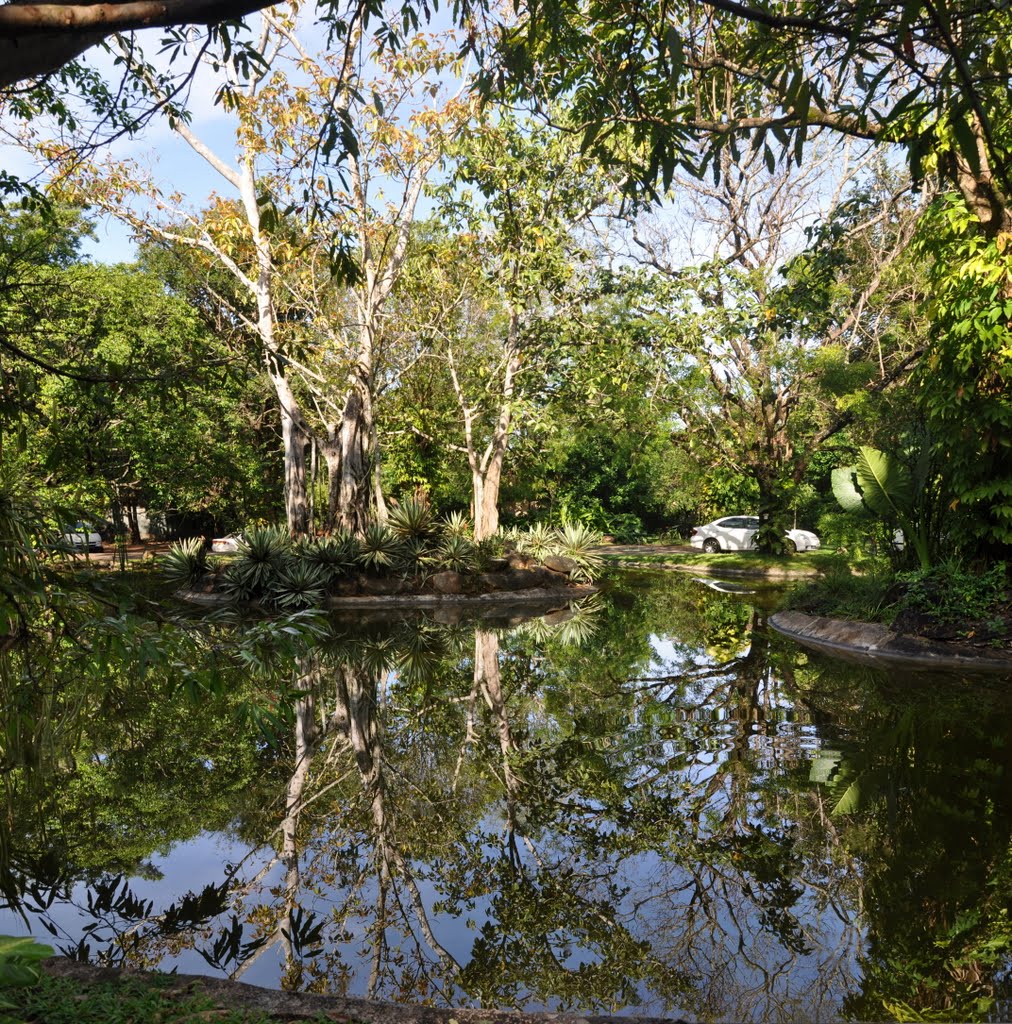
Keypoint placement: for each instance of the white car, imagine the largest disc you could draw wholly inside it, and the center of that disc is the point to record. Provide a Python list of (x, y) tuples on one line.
[(82, 537), (737, 533)]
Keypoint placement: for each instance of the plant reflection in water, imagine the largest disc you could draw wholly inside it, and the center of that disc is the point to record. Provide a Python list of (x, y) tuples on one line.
[(652, 804)]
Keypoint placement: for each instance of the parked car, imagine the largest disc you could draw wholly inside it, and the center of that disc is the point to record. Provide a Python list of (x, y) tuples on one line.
[(737, 533), (83, 537)]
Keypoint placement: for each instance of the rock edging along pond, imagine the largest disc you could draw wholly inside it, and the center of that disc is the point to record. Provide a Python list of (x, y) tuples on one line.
[(873, 643)]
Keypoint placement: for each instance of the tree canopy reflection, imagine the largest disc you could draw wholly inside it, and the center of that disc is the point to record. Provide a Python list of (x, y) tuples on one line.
[(653, 803)]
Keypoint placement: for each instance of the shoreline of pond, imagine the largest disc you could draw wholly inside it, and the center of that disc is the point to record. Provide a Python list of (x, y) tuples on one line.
[(281, 1006), (872, 643)]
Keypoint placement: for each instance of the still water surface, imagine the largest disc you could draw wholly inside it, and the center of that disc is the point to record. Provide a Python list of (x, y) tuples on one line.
[(655, 806)]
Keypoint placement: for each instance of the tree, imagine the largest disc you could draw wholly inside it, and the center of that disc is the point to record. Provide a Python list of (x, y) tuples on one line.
[(770, 355), (533, 188)]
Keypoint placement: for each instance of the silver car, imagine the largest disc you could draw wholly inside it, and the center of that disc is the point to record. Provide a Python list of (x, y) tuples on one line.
[(737, 533)]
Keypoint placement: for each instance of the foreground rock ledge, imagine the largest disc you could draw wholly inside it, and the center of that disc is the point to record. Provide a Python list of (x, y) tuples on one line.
[(297, 1006), (871, 643)]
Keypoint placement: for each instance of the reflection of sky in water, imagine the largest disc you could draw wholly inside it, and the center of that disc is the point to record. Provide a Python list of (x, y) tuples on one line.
[(725, 766)]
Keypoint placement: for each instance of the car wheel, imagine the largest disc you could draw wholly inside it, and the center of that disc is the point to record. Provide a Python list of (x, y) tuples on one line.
[(791, 547), (711, 545)]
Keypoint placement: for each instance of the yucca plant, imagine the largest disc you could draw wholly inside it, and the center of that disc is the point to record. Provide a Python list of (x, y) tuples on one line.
[(263, 553), (412, 518), (538, 541), (455, 525), (576, 541), (298, 584), (185, 563), (381, 548), (416, 553), (334, 556), (456, 554), (487, 550)]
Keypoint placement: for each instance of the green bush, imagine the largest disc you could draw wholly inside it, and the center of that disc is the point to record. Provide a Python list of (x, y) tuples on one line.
[(841, 594), (950, 593)]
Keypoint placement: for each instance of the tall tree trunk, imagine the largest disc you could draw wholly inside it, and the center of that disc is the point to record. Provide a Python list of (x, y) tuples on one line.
[(354, 492), (294, 440), (486, 470)]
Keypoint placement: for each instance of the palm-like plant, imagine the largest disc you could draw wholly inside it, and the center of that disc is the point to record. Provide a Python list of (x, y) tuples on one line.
[(298, 584), (334, 556), (412, 519), (577, 541), (538, 541), (456, 554), (455, 525), (381, 548), (185, 563), (263, 553)]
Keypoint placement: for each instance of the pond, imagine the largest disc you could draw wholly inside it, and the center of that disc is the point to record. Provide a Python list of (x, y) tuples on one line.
[(651, 805)]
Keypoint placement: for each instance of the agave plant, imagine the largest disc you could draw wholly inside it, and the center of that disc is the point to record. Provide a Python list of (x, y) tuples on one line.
[(412, 519), (298, 584), (381, 548), (334, 556), (456, 554), (185, 563), (538, 541), (416, 552), (263, 553), (487, 550), (455, 525), (577, 541)]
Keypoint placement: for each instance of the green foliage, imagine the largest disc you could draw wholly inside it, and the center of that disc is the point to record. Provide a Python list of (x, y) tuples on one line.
[(298, 584), (538, 540), (456, 524), (19, 966), (185, 563), (412, 518), (263, 552), (843, 594), (334, 556), (457, 554), (577, 541), (380, 548), (953, 594), (881, 484), (965, 378)]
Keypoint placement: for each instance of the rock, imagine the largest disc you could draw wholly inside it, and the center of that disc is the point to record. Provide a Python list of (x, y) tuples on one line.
[(380, 587), (496, 580), (524, 579), (515, 560), (559, 564), (449, 614), (498, 564), (447, 583), (558, 617), (344, 588)]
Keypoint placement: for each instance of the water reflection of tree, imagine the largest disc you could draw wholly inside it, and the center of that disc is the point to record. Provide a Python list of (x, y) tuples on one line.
[(923, 799), (627, 817)]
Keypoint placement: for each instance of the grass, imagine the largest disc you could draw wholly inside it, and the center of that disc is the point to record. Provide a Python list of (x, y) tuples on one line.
[(130, 1000)]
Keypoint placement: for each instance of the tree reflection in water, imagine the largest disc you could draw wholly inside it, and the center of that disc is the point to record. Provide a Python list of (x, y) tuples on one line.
[(652, 804)]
